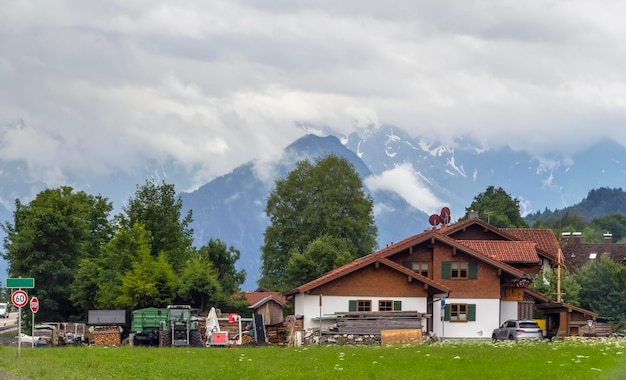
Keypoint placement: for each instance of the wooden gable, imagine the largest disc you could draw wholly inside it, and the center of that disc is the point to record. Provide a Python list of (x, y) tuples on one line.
[(374, 280)]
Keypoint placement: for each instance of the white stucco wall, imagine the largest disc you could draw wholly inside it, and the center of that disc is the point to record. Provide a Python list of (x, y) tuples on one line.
[(508, 310), (308, 306), (487, 319)]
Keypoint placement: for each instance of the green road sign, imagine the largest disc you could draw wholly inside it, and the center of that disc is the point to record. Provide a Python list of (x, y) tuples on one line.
[(24, 283)]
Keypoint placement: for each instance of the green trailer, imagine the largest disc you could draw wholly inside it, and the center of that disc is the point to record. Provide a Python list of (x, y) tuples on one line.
[(146, 325)]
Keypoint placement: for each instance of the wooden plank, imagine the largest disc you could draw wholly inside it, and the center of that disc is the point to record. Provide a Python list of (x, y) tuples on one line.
[(400, 336)]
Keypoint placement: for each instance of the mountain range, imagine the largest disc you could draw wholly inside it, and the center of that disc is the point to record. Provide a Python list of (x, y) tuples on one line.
[(408, 177)]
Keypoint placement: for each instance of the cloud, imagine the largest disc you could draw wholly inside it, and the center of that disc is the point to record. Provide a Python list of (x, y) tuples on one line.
[(407, 183), (103, 85)]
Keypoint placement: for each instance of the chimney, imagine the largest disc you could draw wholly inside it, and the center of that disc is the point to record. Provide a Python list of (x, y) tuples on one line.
[(565, 236), (608, 239), (577, 236), (472, 214)]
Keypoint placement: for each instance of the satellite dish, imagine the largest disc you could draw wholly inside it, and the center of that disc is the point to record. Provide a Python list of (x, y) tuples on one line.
[(435, 220), (445, 215)]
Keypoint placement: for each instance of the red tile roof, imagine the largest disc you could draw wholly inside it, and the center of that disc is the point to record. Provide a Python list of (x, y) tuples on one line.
[(390, 250), (254, 297), (545, 239), (505, 251)]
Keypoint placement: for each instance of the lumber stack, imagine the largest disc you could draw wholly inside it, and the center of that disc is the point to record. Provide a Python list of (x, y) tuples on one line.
[(369, 323)]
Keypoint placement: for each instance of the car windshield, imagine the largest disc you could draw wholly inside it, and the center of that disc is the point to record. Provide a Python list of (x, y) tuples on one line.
[(528, 325)]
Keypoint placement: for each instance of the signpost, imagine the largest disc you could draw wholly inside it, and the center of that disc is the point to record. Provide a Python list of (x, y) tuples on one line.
[(34, 307), (19, 298), (21, 283), (443, 313)]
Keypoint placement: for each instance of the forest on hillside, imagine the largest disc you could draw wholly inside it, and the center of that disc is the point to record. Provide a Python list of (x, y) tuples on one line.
[(602, 210)]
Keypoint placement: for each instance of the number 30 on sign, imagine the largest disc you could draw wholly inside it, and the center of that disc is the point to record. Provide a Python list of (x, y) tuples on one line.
[(19, 298)]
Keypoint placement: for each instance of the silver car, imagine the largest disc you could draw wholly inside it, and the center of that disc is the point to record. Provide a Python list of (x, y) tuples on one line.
[(515, 330)]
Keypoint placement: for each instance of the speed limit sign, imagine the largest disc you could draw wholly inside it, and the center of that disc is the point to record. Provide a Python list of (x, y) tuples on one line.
[(19, 298)]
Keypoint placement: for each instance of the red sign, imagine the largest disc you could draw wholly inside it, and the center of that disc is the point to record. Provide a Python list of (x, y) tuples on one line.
[(34, 304), (19, 298), (233, 317)]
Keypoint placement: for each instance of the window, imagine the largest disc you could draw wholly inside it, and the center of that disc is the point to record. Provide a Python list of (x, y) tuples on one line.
[(385, 305), (366, 305), (360, 305), (460, 312), (420, 267), (459, 270)]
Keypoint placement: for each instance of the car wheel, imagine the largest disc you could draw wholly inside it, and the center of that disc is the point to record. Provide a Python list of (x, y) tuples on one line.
[(494, 338)]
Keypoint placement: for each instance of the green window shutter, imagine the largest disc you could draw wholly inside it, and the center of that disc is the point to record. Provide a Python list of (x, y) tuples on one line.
[(471, 312), (473, 270), (446, 315), (445, 269), (407, 264), (397, 305), (352, 305)]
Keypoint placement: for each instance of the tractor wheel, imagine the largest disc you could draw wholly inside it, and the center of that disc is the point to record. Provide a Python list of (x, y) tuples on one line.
[(166, 338), (195, 339)]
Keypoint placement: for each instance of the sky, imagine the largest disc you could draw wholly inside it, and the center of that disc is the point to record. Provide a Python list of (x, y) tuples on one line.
[(99, 86)]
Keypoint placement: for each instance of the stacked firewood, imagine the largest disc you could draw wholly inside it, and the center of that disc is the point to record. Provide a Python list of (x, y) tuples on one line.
[(247, 339), (107, 335)]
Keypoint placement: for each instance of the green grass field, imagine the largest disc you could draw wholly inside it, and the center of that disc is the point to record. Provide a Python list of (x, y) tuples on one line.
[(570, 359)]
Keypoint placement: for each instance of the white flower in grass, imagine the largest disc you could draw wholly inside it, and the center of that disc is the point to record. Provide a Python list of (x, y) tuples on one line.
[(596, 369), (374, 362), (456, 357)]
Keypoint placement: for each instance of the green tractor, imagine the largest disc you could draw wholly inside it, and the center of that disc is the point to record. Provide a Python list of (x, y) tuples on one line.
[(179, 329)]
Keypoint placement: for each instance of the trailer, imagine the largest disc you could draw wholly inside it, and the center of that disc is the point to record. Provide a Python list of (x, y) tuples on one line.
[(145, 326)]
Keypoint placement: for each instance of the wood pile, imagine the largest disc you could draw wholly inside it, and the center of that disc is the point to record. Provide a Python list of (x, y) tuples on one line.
[(276, 334), (107, 335), (375, 322), (247, 339)]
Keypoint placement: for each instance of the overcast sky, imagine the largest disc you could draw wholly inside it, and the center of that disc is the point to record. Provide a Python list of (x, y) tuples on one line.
[(100, 85)]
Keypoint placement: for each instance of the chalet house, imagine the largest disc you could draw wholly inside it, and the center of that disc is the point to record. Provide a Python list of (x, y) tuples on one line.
[(576, 254), (478, 273)]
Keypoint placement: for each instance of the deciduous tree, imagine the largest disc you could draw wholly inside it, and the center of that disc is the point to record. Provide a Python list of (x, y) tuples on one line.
[(314, 200), (49, 238), (498, 208)]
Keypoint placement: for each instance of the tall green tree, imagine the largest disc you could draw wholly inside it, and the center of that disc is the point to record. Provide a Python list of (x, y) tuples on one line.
[(497, 207), (49, 238), (603, 288), (199, 285), (224, 260), (314, 200), (322, 255), (158, 209), (546, 283)]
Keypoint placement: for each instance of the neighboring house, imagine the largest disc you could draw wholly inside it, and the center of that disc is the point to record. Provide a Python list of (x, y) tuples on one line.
[(483, 272), (577, 254)]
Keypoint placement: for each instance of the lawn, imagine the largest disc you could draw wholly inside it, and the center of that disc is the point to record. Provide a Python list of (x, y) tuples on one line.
[(569, 359)]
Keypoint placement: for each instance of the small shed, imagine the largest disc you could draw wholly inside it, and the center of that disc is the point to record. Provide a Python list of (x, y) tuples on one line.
[(567, 320), (271, 305), (271, 308)]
